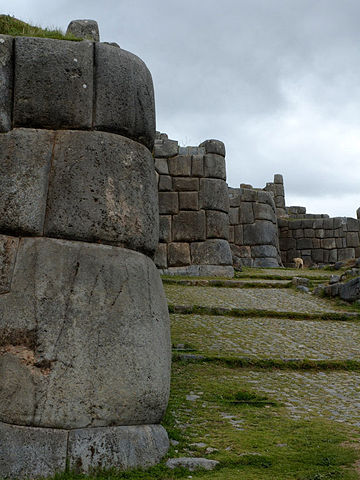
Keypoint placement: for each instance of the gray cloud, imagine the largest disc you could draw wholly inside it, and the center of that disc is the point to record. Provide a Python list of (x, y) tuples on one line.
[(277, 81)]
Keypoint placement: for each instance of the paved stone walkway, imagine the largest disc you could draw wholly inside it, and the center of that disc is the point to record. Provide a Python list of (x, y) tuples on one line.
[(268, 338), (332, 394), (275, 299)]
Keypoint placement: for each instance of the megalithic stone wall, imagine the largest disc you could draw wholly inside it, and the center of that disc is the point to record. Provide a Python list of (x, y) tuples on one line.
[(253, 228), (277, 188), (319, 240), (194, 208), (84, 326)]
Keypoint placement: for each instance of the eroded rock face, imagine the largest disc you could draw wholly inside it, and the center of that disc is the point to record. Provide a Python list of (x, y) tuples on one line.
[(102, 347)]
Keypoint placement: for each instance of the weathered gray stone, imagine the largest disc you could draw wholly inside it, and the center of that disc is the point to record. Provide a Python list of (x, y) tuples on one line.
[(180, 166), (87, 29), (214, 146), (189, 150), (328, 243), (24, 175), (168, 203), (266, 263), (265, 197), (352, 239), (161, 166), (278, 178), (103, 188), (264, 212), (178, 254), (234, 197), (217, 225), (185, 184), (53, 83), (101, 353), (248, 195), (287, 243), (214, 166), (160, 257), (124, 100), (334, 279), (192, 463), (117, 447), (350, 291), (8, 251), (189, 226), (239, 234), (189, 200), (242, 251), (304, 243), (166, 148), (262, 232), (165, 228), (309, 232), (316, 243), (197, 165), (358, 213), (246, 212), (234, 216), (353, 225), (300, 281), (231, 234), (165, 183), (211, 252), (214, 195), (6, 81), (27, 452), (346, 253), (264, 251), (303, 289)]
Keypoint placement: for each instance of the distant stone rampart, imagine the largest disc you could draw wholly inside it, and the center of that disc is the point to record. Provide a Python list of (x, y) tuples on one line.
[(194, 208)]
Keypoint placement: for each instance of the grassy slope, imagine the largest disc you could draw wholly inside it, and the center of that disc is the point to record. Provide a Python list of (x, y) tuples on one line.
[(12, 26)]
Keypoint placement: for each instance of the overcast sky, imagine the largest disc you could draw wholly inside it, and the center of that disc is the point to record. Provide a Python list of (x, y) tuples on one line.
[(278, 81)]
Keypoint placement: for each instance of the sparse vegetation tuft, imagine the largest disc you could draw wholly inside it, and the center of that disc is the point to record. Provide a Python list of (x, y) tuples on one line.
[(17, 28)]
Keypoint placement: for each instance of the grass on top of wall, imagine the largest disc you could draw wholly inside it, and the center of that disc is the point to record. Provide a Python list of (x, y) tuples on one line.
[(17, 28)]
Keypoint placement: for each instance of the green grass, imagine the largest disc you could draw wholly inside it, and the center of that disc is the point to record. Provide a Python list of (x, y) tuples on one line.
[(193, 282), (299, 364), (12, 26), (237, 312)]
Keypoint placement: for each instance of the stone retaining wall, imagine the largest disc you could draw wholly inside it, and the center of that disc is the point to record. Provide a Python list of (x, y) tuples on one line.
[(253, 228), (193, 207), (84, 326), (319, 240)]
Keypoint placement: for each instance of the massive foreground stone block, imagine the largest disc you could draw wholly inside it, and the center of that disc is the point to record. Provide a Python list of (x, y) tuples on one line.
[(124, 95), (53, 83), (28, 452), (24, 175), (103, 188), (85, 337)]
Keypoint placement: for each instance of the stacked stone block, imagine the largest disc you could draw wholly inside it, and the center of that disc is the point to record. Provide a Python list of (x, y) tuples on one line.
[(319, 240), (193, 207), (84, 327), (277, 188), (253, 232)]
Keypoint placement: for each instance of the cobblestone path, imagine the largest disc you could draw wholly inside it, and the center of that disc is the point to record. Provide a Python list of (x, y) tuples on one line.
[(275, 299), (332, 394)]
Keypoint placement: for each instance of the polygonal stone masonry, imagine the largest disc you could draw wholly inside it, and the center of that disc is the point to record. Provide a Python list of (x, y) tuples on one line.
[(101, 350), (124, 100), (102, 188), (53, 83)]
